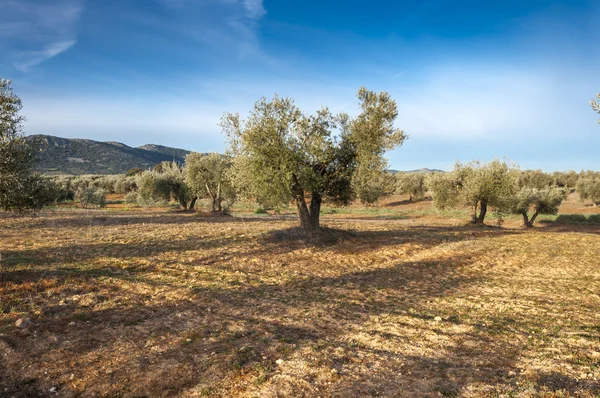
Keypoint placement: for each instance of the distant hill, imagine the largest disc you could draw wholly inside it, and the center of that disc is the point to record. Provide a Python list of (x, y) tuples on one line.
[(80, 156), (424, 170)]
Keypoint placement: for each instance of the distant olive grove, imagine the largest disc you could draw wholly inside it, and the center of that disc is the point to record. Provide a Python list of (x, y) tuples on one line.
[(280, 156)]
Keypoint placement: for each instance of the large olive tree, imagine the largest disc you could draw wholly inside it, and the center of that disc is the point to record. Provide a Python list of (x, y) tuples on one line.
[(21, 188), (596, 104), (282, 155)]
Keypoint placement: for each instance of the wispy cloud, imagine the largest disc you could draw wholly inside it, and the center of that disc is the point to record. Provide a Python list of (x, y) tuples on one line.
[(32, 31), (224, 24)]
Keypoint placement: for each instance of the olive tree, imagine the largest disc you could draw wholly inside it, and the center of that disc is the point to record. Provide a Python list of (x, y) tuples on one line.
[(477, 186), (209, 176), (596, 104), (588, 187), (565, 179), (165, 184), (540, 201), (283, 155), (371, 185), (21, 188), (535, 179), (412, 184)]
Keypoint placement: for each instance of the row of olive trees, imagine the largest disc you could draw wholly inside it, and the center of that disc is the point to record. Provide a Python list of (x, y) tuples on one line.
[(497, 185), (202, 176)]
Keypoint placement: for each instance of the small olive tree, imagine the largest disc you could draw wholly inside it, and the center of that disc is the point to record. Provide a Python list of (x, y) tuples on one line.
[(412, 184), (283, 155), (477, 186), (588, 187), (91, 197), (209, 176), (165, 184), (21, 188), (540, 201)]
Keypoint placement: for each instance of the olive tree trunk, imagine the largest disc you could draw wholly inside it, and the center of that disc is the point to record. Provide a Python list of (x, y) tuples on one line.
[(309, 216), (478, 219)]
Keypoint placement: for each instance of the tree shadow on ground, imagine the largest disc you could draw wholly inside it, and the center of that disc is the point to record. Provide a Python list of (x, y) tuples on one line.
[(219, 334), (210, 336)]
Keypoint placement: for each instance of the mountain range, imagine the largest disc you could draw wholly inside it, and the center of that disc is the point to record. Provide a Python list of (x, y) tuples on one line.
[(81, 156)]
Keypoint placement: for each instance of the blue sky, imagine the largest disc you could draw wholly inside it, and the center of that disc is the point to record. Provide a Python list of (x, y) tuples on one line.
[(473, 79)]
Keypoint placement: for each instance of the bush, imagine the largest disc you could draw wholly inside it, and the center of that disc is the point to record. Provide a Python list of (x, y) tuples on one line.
[(131, 198), (260, 210), (91, 197)]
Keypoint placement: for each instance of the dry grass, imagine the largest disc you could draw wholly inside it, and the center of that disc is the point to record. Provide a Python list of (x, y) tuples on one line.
[(159, 304)]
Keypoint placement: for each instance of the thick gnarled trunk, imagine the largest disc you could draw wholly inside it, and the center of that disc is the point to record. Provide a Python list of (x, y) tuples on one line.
[(309, 216)]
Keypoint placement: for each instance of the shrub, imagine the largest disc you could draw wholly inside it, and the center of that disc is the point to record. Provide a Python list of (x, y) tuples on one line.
[(131, 198), (91, 197), (260, 210)]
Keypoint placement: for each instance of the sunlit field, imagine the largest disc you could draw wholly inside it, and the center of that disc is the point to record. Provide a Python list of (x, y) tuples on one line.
[(395, 300)]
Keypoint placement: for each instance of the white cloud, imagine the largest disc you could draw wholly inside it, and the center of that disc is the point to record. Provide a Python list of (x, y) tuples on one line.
[(32, 31)]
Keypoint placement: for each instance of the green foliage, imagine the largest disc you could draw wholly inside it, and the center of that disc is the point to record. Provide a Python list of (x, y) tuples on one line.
[(283, 155), (21, 189), (209, 176), (477, 186), (570, 219), (131, 198), (594, 218), (124, 184), (155, 186), (444, 188), (565, 179), (91, 197), (134, 172), (588, 187), (535, 179), (540, 201), (412, 184), (260, 210), (596, 104), (370, 185)]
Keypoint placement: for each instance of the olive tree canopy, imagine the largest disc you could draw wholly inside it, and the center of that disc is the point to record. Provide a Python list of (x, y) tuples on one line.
[(282, 154), (21, 188), (540, 201)]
